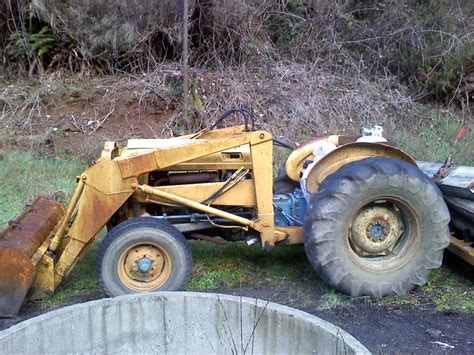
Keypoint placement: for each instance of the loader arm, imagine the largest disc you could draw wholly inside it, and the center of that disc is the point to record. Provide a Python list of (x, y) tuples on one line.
[(104, 187)]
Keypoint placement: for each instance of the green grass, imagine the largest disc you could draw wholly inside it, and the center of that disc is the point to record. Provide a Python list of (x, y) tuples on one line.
[(434, 140), (332, 299), (449, 292), (24, 176), (236, 264)]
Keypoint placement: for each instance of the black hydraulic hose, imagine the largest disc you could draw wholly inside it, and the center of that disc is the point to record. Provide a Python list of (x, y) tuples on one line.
[(246, 114), (282, 144)]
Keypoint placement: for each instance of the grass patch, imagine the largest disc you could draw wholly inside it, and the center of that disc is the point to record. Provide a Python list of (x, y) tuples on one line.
[(333, 299), (450, 292), (434, 141), (409, 300), (24, 176), (234, 264)]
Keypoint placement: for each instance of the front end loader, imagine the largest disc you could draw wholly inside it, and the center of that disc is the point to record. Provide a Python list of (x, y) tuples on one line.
[(372, 223)]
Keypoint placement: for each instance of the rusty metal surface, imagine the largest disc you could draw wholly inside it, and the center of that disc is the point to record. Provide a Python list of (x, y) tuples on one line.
[(18, 243), (16, 276), (29, 230), (216, 240), (294, 234), (347, 154), (43, 284), (382, 219), (147, 160), (462, 248), (294, 165)]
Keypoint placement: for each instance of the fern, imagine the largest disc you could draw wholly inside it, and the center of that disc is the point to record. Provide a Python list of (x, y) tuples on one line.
[(32, 44)]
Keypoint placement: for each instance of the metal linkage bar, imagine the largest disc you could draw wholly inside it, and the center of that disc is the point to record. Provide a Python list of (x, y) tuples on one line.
[(195, 205)]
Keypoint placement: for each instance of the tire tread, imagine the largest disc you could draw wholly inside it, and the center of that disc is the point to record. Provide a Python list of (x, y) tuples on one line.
[(131, 224), (333, 196)]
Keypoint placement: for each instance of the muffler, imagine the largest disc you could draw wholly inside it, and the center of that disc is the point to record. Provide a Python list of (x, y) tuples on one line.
[(19, 242)]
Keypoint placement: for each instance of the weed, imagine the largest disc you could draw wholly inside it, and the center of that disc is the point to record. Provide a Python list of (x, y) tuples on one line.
[(24, 176), (449, 292), (236, 263), (332, 299), (30, 44), (408, 300), (434, 140)]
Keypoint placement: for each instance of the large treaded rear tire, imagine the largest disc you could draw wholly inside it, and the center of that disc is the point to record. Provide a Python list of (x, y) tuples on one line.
[(141, 232), (328, 225)]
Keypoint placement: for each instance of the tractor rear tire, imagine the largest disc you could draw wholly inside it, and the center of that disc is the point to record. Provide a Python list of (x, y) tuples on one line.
[(376, 227), (143, 255)]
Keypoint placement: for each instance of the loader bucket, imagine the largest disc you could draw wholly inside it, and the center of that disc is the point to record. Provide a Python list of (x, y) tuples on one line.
[(18, 244)]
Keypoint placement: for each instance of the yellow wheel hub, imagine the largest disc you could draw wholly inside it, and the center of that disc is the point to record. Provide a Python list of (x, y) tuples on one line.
[(144, 267), (375, 230)]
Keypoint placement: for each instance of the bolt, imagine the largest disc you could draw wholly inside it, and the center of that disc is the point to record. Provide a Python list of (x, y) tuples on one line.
[(262, 136), (144, 264)]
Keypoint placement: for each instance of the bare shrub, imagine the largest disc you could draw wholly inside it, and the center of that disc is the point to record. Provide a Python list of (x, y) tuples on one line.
[(306, 67), (427, 44), (114, 32), (299, 101), (22, 105)]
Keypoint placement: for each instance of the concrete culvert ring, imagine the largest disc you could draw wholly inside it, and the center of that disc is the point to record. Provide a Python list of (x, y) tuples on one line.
[(176, 323)]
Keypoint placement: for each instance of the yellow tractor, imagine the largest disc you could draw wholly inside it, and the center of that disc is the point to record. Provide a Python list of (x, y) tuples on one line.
[(371, 222)]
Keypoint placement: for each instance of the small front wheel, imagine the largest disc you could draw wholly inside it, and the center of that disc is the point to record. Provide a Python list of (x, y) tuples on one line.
[(143, 255)]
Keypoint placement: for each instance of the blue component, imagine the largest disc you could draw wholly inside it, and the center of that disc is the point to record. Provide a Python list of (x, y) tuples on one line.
[(376, 230), (144, 264), (289, 209)]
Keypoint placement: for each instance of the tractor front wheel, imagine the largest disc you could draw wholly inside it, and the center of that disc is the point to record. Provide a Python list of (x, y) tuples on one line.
[(143, 255), (376, 227)]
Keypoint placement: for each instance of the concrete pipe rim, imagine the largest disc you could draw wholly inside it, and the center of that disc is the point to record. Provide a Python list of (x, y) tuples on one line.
[(335, 331)]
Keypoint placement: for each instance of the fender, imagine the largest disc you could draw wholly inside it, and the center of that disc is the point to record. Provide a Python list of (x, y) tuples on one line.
[(294, 164), (349, 153)]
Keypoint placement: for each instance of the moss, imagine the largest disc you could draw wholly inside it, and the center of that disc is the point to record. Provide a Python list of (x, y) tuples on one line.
[(197, 98)]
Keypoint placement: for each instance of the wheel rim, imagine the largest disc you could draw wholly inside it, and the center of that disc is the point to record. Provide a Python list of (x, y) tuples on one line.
[(383, 234), (144, 267)]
